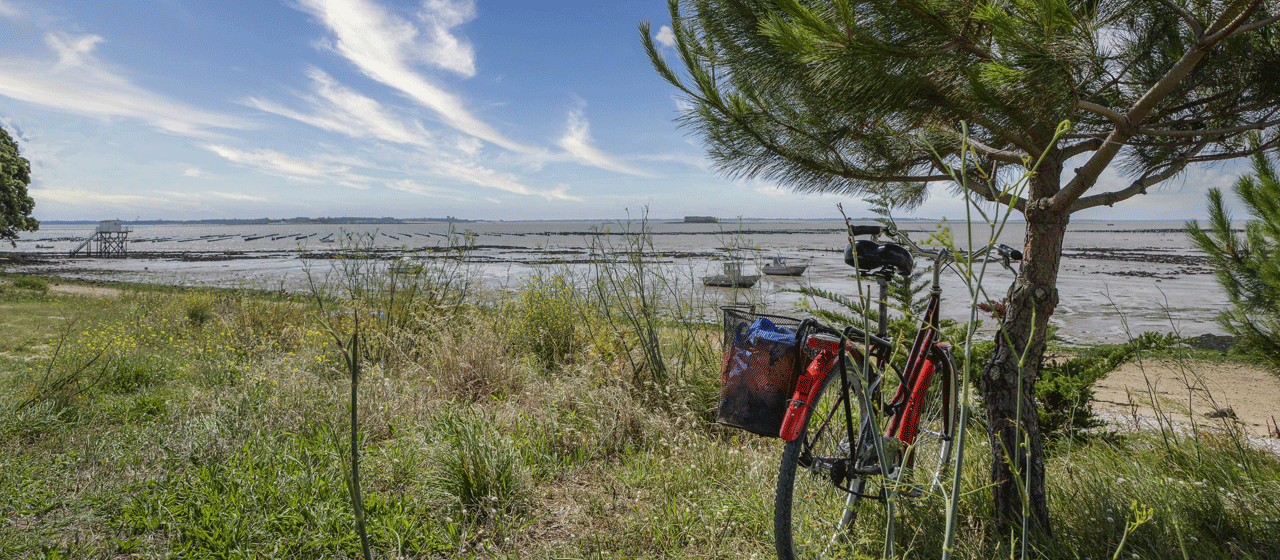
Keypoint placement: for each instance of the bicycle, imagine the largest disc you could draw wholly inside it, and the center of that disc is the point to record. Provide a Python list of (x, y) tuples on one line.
[(839, 399)]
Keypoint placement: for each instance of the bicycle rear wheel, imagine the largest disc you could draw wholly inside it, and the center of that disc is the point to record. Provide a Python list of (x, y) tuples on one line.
[(812, 514)]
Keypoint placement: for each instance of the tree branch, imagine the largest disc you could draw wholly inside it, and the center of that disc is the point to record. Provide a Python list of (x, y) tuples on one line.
[(1114, 116), (1236, 155), (1135, 188), (1078, 148), (1258, 24), (1229, 28), (981, 186), (1088, 173), (1186, 16), (1215, 132), (994, 153)]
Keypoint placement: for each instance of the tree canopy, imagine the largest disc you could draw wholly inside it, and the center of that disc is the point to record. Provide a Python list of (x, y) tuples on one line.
[(845, 97), (15, 205)]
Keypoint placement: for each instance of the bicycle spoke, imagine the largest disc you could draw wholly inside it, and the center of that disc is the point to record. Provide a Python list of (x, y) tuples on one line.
[(815, 511)]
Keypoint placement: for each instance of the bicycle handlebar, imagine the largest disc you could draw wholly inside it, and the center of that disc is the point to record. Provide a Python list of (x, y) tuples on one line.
[(1006, 252), (865, 230)]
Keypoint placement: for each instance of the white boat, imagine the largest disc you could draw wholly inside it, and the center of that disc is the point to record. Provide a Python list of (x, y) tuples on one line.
[(778, 266), (732, 277)]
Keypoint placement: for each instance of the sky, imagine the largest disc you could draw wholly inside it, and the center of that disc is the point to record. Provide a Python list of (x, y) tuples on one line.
[(479, 109)]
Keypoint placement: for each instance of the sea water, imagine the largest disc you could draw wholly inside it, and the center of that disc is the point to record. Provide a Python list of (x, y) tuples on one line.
[(1116, 279)]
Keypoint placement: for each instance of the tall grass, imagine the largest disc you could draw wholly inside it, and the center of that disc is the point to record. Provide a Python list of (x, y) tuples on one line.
[(227, 437)]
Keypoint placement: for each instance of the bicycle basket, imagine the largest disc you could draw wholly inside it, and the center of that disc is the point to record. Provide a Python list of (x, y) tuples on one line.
[(758, 371)]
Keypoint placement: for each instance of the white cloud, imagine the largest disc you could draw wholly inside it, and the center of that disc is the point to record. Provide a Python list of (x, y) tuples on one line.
[(413, 187), (295, 169), (9, 10), (665, 37), (84, 197), (691, 160), (195, 172), (338, 109), (77, 82), (471, 172), (773, 190), (577, 142), (164, 200), (443, 49), (215, 195), (385, 47)]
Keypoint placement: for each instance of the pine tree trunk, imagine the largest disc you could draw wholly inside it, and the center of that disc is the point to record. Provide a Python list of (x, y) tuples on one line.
[(1009, 388)]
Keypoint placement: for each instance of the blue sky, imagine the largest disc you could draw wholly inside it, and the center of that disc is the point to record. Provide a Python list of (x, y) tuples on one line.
[(483, 109)]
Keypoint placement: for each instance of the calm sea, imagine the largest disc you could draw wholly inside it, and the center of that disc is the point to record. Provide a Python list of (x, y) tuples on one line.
[(1116, 277)]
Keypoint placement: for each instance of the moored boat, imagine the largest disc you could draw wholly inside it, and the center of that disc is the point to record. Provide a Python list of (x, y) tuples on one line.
[(779, 266), (732, 277)]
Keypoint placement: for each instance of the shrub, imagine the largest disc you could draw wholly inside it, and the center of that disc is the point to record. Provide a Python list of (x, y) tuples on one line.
[(31, 283), (1064, 390), (544, 319), (470, 363), (1248, 267), (199, 308)]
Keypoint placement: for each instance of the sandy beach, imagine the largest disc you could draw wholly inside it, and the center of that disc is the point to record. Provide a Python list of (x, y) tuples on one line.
[(1192, 394)]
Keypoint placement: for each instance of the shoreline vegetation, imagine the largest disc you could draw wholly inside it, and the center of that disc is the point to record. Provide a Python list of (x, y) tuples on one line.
[(154, 421)]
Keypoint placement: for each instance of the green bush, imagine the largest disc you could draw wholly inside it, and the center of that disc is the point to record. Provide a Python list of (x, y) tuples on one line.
[(1248, 267), (545, 320), (1065, 389), (199, 308), (31, 283)]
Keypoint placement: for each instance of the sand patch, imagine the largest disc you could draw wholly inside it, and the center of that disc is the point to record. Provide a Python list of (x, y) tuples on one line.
[(87, 291), (1203, 392)]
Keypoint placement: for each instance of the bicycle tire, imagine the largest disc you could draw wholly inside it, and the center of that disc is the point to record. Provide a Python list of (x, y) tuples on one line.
[(810, 513), (812, 517)]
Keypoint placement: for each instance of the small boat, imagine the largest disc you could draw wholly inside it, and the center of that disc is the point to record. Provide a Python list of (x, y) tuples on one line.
[(778, 266), (39, 246), (405, 266), (732, 277)]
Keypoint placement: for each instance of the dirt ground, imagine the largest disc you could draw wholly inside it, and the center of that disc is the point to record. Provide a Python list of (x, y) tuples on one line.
[(1210, 394), (80, 290)]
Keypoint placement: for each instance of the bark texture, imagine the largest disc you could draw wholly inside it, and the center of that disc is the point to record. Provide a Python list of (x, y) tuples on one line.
[(1008, 381)]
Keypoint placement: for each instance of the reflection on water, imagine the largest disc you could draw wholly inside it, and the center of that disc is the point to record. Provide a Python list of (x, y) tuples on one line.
[(1114, 276)]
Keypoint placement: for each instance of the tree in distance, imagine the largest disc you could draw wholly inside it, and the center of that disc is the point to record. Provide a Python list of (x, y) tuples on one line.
[(1248, 266), (15, 205), (881, 98)]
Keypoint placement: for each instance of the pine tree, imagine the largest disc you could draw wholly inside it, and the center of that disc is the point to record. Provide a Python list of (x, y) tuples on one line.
[(1248, 266), (882, 98)]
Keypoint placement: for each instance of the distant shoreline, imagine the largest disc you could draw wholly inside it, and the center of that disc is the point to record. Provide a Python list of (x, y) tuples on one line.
[(451, 219), (264, 221)]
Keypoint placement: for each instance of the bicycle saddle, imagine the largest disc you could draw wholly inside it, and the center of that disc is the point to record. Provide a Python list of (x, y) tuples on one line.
[(872, 255)]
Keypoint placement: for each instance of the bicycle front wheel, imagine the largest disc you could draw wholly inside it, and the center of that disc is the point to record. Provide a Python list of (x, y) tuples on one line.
[(934, 413), (816, 501)]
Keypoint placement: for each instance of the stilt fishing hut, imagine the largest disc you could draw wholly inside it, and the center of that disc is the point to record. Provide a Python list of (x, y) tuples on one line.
[(111, 239)]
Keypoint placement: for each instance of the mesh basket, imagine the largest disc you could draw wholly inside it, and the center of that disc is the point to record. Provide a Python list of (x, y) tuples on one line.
[(758, 373)]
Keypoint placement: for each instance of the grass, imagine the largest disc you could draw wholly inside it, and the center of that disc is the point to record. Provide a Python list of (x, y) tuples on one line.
[(211, 424)]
